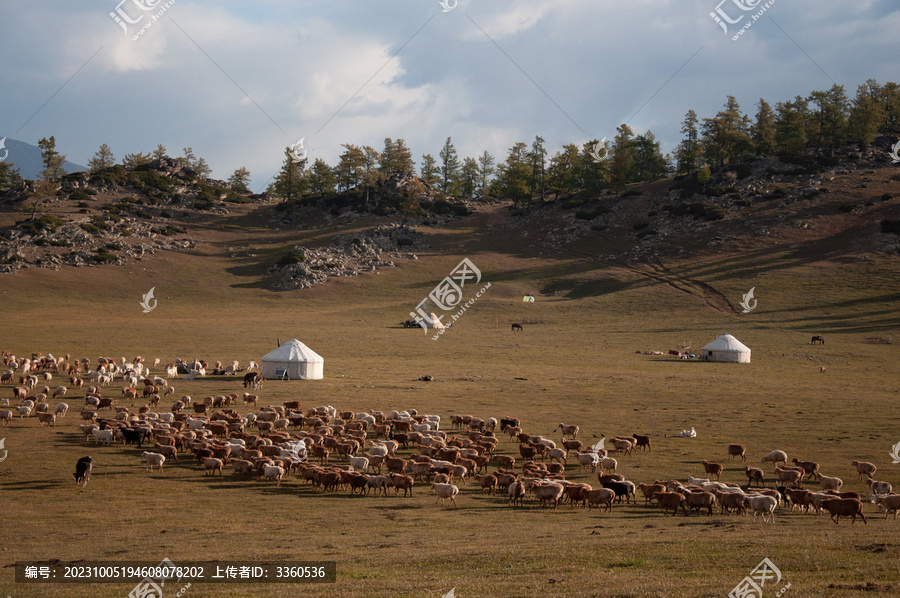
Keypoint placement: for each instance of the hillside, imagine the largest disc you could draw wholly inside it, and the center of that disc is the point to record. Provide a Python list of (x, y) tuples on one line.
[(839, 208)]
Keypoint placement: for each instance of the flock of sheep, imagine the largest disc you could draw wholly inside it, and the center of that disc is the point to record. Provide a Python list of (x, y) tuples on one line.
[(358, 452)]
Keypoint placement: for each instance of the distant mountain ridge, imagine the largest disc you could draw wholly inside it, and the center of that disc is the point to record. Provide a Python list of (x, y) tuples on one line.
[(27, 159)]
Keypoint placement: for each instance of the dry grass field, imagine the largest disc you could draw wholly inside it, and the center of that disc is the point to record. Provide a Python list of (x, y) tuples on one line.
[(580, 365)]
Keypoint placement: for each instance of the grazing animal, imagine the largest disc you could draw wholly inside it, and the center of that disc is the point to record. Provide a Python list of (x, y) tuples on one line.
[(82, 471), (864, 467), (737, 450), (817, 339), (671, 500), (154, 459), (755, 474), (516, 492), (445, 491), (518, 327), (887, 503), (830, 483), (776, 457), (713, 469), (844, 507), (762, 505)]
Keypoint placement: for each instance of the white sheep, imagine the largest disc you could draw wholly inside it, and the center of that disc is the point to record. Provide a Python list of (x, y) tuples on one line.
[(24, 411), (359, 463), (776, 457), (608, 464), (829, 483), (273, 472), (153, 459), (445, 491), (6, 416), (211, 465), (762, 505), (62, 409), (104, 436)]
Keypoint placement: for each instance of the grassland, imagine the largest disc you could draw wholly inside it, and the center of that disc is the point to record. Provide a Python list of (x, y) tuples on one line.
[(579, 366)]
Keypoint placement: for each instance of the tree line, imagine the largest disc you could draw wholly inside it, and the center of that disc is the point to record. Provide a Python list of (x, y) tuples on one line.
[(822, 121)]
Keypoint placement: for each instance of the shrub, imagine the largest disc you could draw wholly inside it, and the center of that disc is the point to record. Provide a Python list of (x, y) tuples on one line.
[(104, 257), (79, 195), (290, 259), (46, 222)]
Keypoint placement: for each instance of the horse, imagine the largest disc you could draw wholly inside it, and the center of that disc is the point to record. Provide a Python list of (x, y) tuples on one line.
[(817, 339), (517, 326)]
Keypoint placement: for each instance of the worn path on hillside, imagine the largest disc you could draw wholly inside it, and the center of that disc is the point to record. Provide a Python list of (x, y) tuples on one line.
[(696, 288)]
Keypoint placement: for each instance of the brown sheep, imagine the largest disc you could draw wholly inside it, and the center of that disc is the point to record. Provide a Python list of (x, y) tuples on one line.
[(671, 500), (864, 467), (844, 507), (602, 497), (754, 474), (713, 469), (737, 450), (810, 467), (700, 500)]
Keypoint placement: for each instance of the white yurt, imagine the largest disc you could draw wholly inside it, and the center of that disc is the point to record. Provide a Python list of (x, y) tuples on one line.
[(293, 361), (726, 349)]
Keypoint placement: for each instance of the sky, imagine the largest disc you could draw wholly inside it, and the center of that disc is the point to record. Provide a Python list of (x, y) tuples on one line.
[(241, 81)]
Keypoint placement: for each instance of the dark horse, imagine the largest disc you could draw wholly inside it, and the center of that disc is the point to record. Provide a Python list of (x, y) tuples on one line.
[(517, 326), (817, 339)]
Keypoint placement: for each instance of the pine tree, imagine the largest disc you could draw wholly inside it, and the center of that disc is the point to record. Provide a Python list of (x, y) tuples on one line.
[(650, 163), (370, 169), (830, 120), (53, 160), (764, 129), (538, 157), (9, 176), (867, 113), (485, 172), (351, 167), (239, 179), (726, 136), (449, 168), (514, 175), (468, 177), (688, 151), (321, 179), (429, 173), (202, 168), (565, 171), (290, 184), (131, 161), (189, 159), (622, 162), (790, 126), (160, 152), (102, 159)]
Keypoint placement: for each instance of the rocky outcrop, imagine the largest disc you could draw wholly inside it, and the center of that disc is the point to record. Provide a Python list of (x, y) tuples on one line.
[(347, 255)]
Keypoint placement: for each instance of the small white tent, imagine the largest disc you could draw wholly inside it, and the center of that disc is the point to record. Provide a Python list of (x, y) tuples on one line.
[(727, 349), (298, 361)]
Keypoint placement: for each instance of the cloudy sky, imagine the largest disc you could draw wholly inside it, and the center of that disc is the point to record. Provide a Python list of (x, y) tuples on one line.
[(240, 81)]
